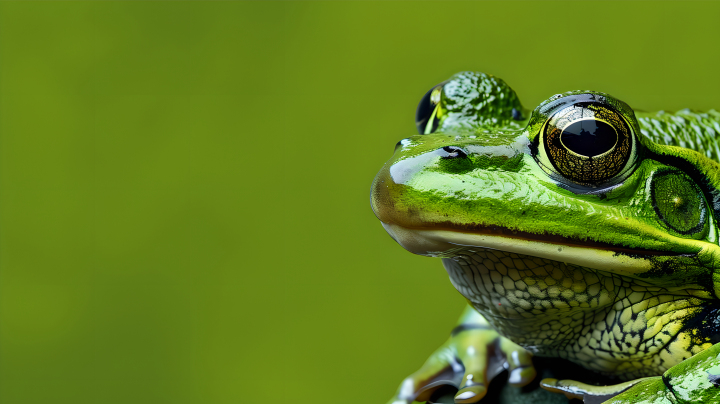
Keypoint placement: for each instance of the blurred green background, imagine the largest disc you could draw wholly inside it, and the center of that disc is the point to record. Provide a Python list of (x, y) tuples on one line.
[(184, 186)]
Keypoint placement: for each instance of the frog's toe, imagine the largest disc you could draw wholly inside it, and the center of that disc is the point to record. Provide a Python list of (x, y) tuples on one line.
[(471, 394), (484, 356), (473, 356), (441, 369), (475, 380), (519, 363), (595, 394)]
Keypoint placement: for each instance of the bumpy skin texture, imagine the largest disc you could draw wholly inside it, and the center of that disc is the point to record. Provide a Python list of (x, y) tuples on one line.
[(608, 260), (693, 130)]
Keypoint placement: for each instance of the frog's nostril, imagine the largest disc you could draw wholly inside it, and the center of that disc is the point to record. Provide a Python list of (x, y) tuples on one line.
[(454, 152)]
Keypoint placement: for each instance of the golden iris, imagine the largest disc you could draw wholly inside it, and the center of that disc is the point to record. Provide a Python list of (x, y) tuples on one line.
[(588, 143)]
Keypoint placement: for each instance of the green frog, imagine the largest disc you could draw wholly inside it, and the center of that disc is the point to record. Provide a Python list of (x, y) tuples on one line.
[(581, 230)]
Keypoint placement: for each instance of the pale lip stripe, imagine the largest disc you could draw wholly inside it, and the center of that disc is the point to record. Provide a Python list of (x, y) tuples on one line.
[(441, 243)]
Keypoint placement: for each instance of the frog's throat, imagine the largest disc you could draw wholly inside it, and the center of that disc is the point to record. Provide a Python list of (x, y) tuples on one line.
[(445, 243)]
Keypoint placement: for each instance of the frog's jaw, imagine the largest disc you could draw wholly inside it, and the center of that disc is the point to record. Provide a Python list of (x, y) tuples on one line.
[(443, 243), (584, 304)]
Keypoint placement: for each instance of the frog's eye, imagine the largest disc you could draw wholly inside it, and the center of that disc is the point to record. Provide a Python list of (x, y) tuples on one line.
[(678, 202), (426, 116), (588, 143)]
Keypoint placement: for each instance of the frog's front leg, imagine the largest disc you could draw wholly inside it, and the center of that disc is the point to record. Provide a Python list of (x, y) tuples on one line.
[(473, 355), (695, 380)]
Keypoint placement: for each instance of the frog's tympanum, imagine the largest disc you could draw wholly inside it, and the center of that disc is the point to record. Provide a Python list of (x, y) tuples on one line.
[(580, 230)]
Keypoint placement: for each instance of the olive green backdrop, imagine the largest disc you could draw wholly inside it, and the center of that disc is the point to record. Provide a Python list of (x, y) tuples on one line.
[(184, 209)]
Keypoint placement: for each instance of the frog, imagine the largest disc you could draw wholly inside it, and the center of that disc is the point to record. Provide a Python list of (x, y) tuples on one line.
[(581, 230)]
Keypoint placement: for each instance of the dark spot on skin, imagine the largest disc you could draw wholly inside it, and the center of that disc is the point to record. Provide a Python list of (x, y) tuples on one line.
[(669, 267), (707, 323), (714, 379), (534, 146), (465, 327), (517, 115)]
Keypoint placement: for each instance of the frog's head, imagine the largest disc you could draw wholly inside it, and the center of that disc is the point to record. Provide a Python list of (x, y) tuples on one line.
[(573, 187)]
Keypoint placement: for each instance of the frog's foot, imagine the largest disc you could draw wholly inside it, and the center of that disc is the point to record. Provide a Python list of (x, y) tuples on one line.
[(469, 360), (588, 393)]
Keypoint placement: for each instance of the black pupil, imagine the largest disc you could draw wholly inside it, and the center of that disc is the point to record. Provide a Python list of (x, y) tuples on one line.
[(589, 137)]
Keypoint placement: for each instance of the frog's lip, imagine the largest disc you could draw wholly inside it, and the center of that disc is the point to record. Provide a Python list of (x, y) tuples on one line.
[(590, 254)]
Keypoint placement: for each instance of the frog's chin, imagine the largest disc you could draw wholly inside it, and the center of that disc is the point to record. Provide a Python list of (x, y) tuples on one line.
[(446, 243)]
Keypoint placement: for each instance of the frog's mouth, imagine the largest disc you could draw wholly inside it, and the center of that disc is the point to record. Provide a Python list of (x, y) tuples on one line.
[(595, 255), (578, 300)]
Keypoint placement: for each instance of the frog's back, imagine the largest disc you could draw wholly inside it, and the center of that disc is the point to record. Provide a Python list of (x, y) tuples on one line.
[(699, 131)]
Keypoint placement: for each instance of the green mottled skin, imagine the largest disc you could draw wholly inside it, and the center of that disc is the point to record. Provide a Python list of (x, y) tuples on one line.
[(698, 131), (637, 320)]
